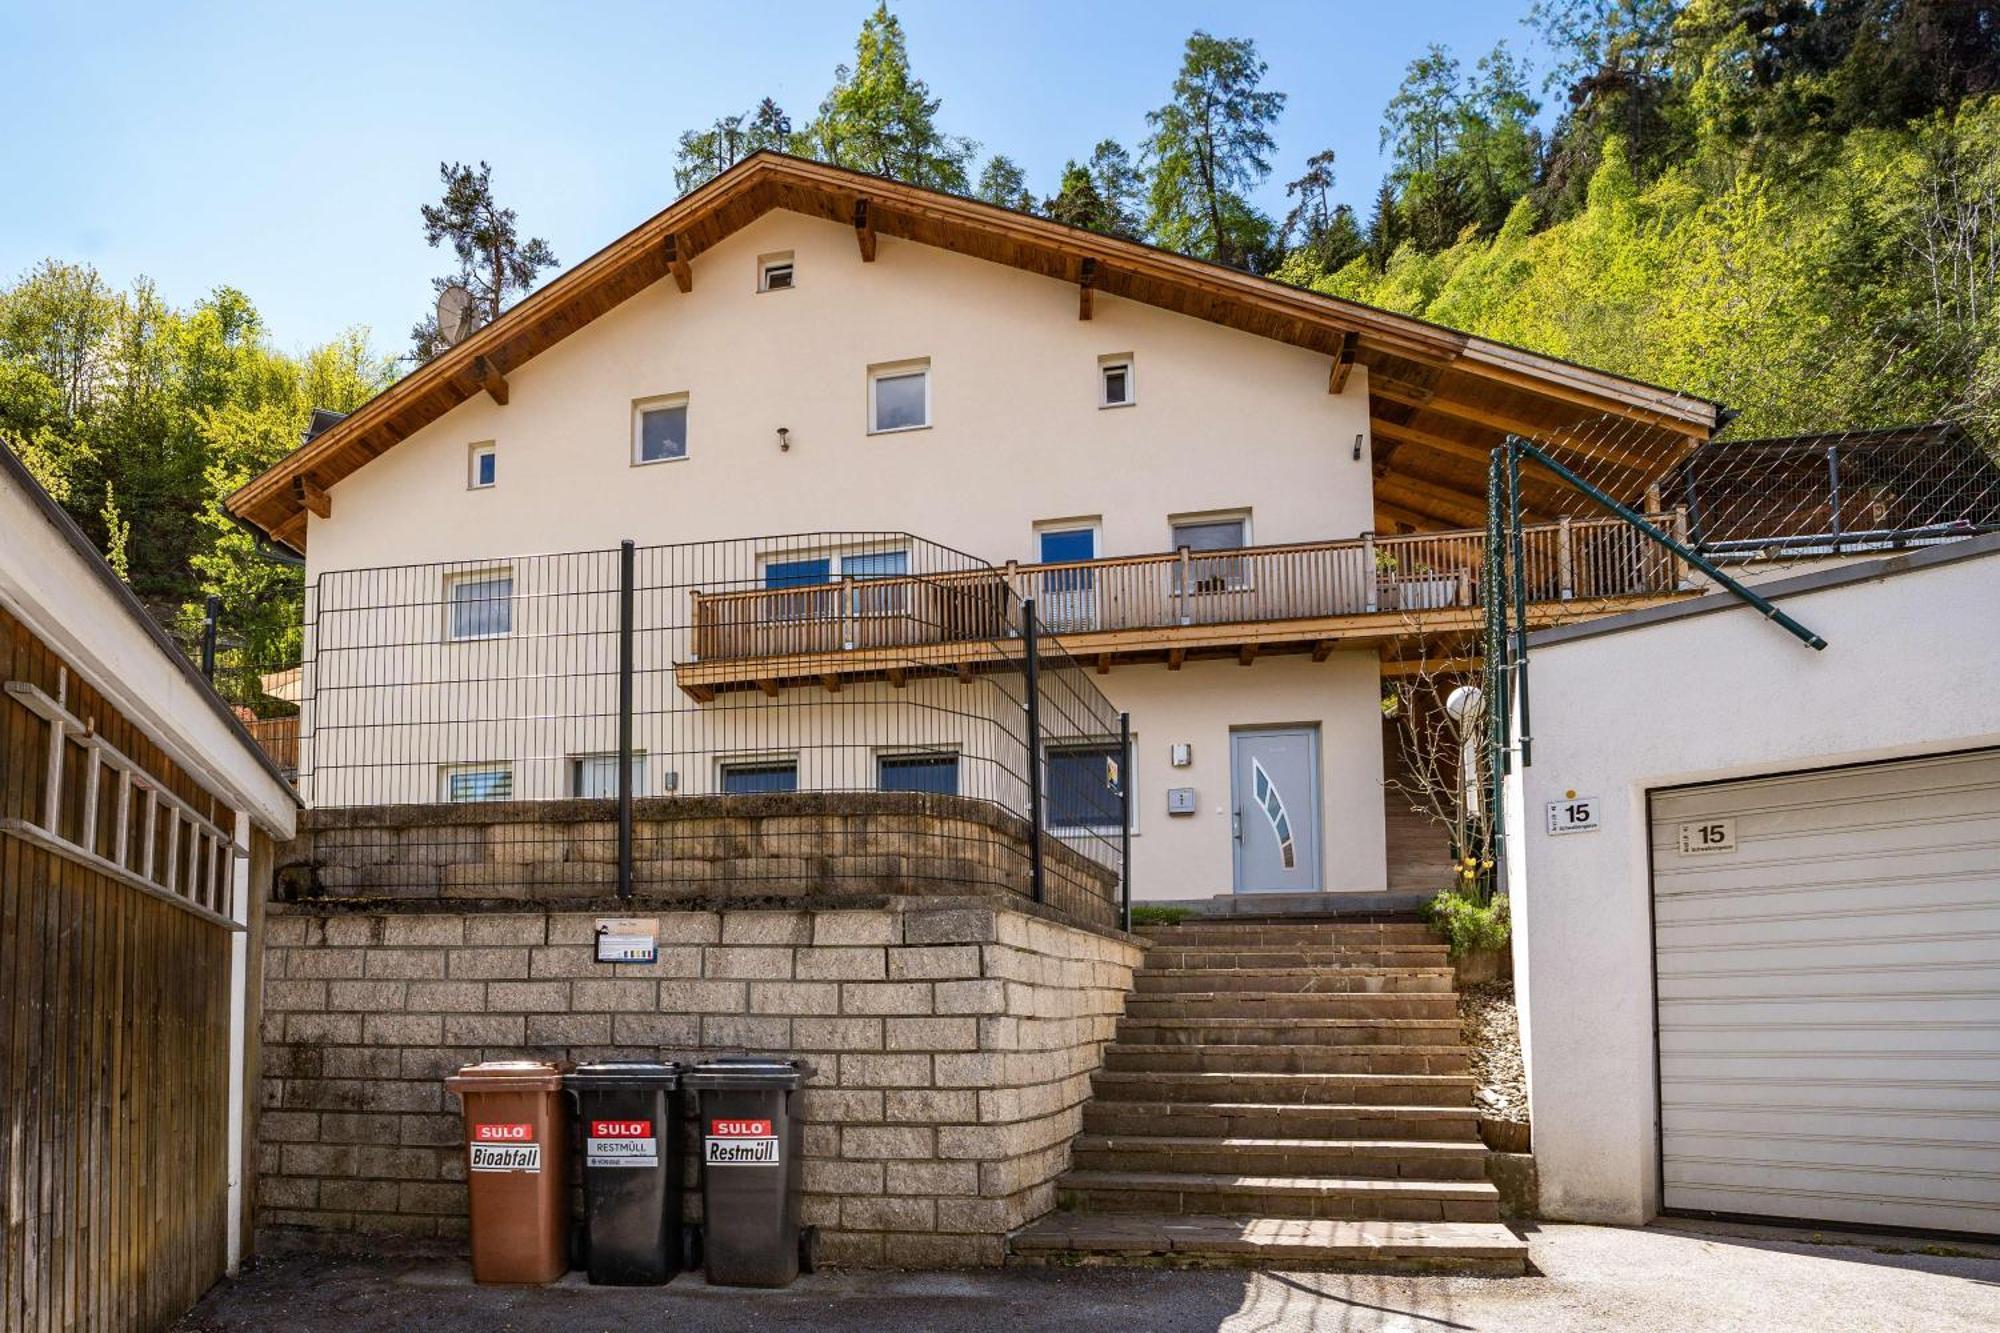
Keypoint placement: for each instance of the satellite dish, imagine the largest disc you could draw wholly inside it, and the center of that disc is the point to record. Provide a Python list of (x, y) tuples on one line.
[(457, 315)]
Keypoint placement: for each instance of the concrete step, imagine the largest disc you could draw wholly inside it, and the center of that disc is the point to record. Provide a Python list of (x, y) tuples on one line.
[(1188, 1193), (1372, 1159), (1295, 980), (1286, 1058), (1286, 1030), (1161, 1087), (1348, 934), (1177, 957), (1280, 1120), (1286, 1007), (1481, 1248)]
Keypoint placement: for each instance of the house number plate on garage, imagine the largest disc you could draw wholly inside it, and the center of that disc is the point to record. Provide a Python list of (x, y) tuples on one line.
[(1573, 814), (1708, 835)]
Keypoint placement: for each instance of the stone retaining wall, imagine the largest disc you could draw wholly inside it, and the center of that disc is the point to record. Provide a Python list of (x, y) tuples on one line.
[(954, 1040), (792, 845)]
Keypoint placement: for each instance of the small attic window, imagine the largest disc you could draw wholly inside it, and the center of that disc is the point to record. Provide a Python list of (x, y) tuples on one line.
[(774, 273)]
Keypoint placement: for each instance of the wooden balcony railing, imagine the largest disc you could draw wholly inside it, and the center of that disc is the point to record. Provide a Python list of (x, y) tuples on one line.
[(1591, 559)]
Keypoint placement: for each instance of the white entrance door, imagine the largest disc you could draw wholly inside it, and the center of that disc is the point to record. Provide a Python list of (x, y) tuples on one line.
[(1827, 947), (1274, 780)]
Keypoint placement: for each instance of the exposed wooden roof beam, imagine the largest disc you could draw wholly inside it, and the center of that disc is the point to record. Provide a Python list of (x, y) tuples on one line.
[(678, 265), (831, 681), (769, 687), (864, 230), (1433, 501), (1086, 283), (1322, 650), (1571, 437), (490, 379), (1343, 362), (1429, 666), (896, 676), (1246, 654), (309, 494)]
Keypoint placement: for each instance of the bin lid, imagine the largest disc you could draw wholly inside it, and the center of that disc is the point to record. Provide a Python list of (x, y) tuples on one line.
[(609, 1074), (727, 1073), (506, 1076)]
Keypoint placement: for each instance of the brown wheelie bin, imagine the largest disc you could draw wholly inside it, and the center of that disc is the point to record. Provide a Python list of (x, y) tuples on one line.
[(517, 1152)]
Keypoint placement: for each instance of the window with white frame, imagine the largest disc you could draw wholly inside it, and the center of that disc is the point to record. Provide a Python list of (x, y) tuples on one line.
[(1115, 386), (775, 272), (935, 772), (660, 429), (1083, 784), (596, 775), (759, 777), (482, 468), (476, 782), (480, 605), (899, 397), (1211, 573)]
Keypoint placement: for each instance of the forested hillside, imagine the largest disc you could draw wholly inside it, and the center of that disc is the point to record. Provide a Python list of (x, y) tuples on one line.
[(1792, 206)]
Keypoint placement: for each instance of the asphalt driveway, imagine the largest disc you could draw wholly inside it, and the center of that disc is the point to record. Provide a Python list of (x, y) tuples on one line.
[(1678, 1278)]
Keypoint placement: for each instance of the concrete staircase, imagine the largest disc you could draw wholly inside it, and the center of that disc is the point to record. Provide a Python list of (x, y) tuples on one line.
[(1288, 1094)]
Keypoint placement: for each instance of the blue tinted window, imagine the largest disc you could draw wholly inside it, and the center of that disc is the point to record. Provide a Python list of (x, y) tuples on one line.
[(936, 773), (483, 469), (757, 779), (798, 573), (1080, 794)]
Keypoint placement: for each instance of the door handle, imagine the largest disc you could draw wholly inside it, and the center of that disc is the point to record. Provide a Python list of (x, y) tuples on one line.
[(1236, 825)]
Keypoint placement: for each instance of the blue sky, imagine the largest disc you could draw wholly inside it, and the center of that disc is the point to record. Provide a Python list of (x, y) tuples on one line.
[(284, 148)]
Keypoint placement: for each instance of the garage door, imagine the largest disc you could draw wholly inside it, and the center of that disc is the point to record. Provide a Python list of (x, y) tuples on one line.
[(1828, 953)]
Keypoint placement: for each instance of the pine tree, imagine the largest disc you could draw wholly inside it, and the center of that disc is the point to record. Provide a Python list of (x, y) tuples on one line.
[(494, 264), (702, 155), (1210, 143), (881, 118), (1005, 184)]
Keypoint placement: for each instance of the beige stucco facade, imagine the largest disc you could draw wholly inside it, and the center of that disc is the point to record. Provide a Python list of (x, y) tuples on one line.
[(1223, 423)]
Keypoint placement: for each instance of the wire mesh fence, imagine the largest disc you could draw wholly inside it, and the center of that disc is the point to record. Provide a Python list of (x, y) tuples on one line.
[(771, 716)]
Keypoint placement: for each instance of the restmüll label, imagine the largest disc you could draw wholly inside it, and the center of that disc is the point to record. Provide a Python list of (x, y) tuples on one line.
[(740, 1143), (621, 1143)]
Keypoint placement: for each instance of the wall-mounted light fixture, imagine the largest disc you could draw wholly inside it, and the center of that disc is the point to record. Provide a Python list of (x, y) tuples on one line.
[(785, 441), (1357, 447)]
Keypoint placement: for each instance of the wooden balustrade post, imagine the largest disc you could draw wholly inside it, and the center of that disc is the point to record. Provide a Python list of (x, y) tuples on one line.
[(1183, 589), (1679, 529), (1370, 582), (1565, 559)]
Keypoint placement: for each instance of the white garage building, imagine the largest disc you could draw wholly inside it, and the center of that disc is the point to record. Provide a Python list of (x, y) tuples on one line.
[(1767, 984)]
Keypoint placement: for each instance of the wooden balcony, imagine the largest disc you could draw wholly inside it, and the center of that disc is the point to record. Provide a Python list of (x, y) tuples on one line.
[(1312, 597)]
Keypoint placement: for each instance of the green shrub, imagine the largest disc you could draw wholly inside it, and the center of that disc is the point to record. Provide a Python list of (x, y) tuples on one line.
[(1159, 914), (1469, 924)]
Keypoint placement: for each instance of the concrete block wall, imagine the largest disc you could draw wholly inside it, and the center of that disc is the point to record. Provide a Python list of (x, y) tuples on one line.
[(953, 1038)]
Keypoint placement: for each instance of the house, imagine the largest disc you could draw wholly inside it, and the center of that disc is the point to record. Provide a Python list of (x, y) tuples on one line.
[(1760, 982), (1230, 500), (137, 819)]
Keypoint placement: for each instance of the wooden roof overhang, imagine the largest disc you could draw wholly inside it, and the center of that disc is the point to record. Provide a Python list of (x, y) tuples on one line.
[(1439, 399)]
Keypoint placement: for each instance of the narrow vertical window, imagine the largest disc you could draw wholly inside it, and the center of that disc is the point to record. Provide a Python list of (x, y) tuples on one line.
[(1114, 382), (484, 467)]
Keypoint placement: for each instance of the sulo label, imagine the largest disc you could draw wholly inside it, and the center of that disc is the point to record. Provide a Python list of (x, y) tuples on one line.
[(740, 1143), (621, 1143), (505, 1148)]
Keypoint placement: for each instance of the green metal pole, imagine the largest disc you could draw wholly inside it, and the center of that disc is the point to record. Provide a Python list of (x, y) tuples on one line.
[(1496, 668), (1516, 546), (1693, 557)]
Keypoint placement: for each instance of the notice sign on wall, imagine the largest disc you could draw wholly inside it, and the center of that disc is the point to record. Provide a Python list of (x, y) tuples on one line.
[(740, 1143), (628, 939), (505, 1148), (621, 1143)]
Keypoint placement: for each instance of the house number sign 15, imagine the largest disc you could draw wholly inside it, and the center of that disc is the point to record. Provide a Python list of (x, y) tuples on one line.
[(1573, 814), (1710, 835)]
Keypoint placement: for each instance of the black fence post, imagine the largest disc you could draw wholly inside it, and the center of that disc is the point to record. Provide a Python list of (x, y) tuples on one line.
[(211, 613), (625, 563), (1125, 821), (1030, 638)]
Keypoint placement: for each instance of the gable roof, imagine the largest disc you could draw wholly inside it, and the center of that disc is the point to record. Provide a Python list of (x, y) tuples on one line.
[(1438, 398)]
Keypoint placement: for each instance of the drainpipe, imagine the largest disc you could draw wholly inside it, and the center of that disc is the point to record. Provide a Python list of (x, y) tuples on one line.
[(239, 1018)]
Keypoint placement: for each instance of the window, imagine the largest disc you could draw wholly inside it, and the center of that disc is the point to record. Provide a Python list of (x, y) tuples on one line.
[(899, 398), (1213, 574), (875, 565), (596, 775), (1066, 597), (482, 606), (1114, 382), (1082, 786), (482, 468), (774, 272), (759, 777), (477, 782), (935, 773), (660, 429)]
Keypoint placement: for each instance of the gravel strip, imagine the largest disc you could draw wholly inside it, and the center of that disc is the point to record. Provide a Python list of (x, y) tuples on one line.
[(1488, 1025)]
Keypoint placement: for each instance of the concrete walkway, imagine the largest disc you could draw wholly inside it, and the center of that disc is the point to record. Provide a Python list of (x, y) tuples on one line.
[(1675, 1279)]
